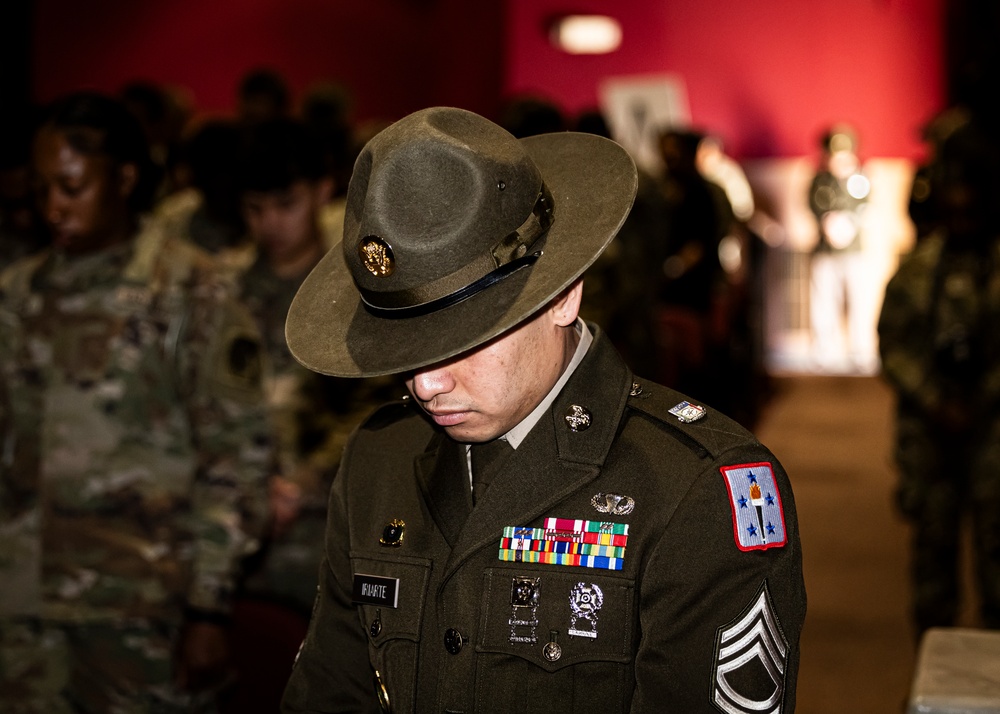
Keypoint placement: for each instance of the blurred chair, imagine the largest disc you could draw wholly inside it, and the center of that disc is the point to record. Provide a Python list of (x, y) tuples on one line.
[(958, 672)]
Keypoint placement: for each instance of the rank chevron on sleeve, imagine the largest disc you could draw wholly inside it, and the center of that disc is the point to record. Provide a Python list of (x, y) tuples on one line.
[(564, 541)]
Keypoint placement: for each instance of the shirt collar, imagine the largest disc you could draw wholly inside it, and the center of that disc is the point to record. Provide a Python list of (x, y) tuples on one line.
[(516, 435)]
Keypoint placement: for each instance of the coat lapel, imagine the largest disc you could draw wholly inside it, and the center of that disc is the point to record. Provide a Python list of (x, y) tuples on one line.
[(553, 462), (444, 480)]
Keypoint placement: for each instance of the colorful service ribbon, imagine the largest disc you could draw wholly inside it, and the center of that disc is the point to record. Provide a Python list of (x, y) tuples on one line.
[(563, 541)]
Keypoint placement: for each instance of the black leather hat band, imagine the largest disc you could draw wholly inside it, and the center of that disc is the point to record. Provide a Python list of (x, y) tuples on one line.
[(517, 250)]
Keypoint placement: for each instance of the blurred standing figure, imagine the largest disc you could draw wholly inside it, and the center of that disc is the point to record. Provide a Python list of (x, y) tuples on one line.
[(132, 483), (837, 197), (721, 169), (690, 279), (940, 345)]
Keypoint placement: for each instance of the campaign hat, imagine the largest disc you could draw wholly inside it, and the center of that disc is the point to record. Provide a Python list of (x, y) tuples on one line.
[(455, 232)]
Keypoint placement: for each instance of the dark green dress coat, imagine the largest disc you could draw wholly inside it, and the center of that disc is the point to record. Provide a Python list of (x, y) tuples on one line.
[(701, 617)]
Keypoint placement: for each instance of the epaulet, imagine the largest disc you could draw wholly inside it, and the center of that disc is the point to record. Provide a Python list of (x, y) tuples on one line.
[(389, 413), (705, 431)]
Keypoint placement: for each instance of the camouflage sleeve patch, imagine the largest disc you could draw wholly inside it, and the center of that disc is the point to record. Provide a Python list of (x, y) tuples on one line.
[(238, 367), (234, 362)]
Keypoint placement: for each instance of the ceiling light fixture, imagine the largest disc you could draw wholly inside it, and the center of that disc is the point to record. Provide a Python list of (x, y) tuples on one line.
[(586, 34)]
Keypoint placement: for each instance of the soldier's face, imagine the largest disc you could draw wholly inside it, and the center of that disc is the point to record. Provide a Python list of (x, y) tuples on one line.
[(83, 198), (285, 223), (482, 394)]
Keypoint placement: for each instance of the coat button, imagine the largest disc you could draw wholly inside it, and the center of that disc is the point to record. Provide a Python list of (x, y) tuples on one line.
[(453, 640)]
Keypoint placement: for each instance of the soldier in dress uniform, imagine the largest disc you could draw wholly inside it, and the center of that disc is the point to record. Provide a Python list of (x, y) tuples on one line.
[(132, 481), (939, 335), (536, 529)]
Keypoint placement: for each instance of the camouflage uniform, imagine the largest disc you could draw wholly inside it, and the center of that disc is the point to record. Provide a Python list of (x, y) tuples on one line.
[(940, 345), (132, 477), (312, 416), (14, 246), (184, 215)]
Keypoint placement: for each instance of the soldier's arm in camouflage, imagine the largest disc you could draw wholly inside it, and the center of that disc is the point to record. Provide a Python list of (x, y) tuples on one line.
[(990, 391), (904, 334), (220, 360)]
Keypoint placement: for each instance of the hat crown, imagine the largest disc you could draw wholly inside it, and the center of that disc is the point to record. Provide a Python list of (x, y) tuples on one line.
[(435, 193)]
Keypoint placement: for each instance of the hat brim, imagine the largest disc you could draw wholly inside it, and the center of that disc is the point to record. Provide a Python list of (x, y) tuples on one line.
[(329, 330)]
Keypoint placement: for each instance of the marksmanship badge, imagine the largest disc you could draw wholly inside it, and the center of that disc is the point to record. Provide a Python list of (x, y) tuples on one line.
[(585, 602)]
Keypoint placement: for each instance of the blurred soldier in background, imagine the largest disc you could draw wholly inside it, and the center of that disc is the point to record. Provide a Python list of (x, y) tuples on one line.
[(206, 209), (132, 483), (286, 184), (262, 95), (940, 345), (838, 196), (690, 282), (922, 207)]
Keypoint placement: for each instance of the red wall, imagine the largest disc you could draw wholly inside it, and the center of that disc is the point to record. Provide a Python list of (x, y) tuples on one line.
[(768, 76), (394, 56)]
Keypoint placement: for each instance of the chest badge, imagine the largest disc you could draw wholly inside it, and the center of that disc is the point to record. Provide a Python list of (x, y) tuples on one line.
[(392, 533), (585, 602), (758, 519), (613, 503), (524, 596)]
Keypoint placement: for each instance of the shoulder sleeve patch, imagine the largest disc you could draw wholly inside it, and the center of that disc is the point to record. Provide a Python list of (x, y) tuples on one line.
[(751, 654), (758, 519)]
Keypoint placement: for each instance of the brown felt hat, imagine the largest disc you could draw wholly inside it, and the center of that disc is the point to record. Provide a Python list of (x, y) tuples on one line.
[(454, 233)]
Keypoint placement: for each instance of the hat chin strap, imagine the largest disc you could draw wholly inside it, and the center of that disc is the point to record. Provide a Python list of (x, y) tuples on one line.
[(504, 259)]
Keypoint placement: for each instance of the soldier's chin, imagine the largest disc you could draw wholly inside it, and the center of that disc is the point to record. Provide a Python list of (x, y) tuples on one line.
[(471, 434)]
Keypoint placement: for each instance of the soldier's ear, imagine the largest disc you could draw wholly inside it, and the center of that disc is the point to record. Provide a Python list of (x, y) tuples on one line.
[(128, 177), (565, 306)]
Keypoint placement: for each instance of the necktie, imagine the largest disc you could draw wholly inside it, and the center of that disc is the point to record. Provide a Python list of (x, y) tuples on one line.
[(487, 459)]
